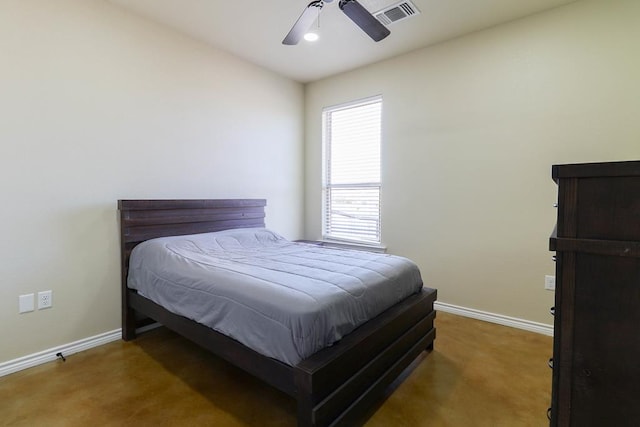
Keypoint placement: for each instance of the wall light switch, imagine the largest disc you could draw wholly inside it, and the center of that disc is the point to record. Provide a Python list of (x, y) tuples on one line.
[(25, 303)]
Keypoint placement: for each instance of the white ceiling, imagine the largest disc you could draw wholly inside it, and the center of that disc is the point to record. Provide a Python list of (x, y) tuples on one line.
[(254, 29)]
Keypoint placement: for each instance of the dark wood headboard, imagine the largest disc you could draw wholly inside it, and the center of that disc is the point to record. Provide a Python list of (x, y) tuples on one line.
[(142, 220)]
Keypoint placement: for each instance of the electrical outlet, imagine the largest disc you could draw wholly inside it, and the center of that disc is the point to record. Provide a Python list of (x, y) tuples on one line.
[(25, 303), (45, 299), (550, 283)]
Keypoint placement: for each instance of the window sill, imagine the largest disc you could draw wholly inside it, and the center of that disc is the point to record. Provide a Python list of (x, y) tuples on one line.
[(347, 245)]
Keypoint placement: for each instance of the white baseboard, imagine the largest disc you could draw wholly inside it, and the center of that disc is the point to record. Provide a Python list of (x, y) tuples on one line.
[(49, 355), (512, 322)]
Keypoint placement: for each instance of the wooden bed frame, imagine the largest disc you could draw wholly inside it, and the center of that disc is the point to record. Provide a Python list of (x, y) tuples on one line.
[(335, 386)]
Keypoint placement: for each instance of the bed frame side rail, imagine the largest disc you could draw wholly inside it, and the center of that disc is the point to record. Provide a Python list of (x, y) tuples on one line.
[(272, 371)]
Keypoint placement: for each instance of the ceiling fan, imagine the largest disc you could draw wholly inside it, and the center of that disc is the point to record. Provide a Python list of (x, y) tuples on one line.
[(354, 11)]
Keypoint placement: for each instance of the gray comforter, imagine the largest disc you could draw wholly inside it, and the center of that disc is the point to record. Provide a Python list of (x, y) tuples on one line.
[(284, 300)]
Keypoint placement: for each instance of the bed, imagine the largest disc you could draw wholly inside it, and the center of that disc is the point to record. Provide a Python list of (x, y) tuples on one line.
[(335, 385)]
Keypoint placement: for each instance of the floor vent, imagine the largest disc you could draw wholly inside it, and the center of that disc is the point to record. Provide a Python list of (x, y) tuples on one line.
[(397, 12)]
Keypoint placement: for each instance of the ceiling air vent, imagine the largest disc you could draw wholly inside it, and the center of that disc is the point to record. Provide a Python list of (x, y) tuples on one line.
[(397, 12)]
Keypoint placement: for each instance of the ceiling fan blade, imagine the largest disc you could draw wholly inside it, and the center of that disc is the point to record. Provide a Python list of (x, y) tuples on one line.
[(303, 23), (363, 19)]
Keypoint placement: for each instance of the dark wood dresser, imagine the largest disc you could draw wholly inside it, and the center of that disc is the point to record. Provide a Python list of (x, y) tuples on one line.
[(596, 348)]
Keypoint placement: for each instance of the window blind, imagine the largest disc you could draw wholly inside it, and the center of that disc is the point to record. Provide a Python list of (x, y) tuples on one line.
[(352, 136)]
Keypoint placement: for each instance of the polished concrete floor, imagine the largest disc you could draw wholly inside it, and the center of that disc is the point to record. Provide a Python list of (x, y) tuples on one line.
[(479, 374)]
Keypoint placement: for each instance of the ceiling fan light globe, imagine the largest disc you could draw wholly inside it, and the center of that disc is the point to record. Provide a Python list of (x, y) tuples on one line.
[(311, 37)]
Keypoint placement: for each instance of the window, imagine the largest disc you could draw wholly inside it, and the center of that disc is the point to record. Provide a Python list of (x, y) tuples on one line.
[(351, 190)]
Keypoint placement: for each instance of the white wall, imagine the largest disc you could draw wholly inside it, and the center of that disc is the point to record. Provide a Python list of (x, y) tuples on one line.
[(97, 105), (471, 128)]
